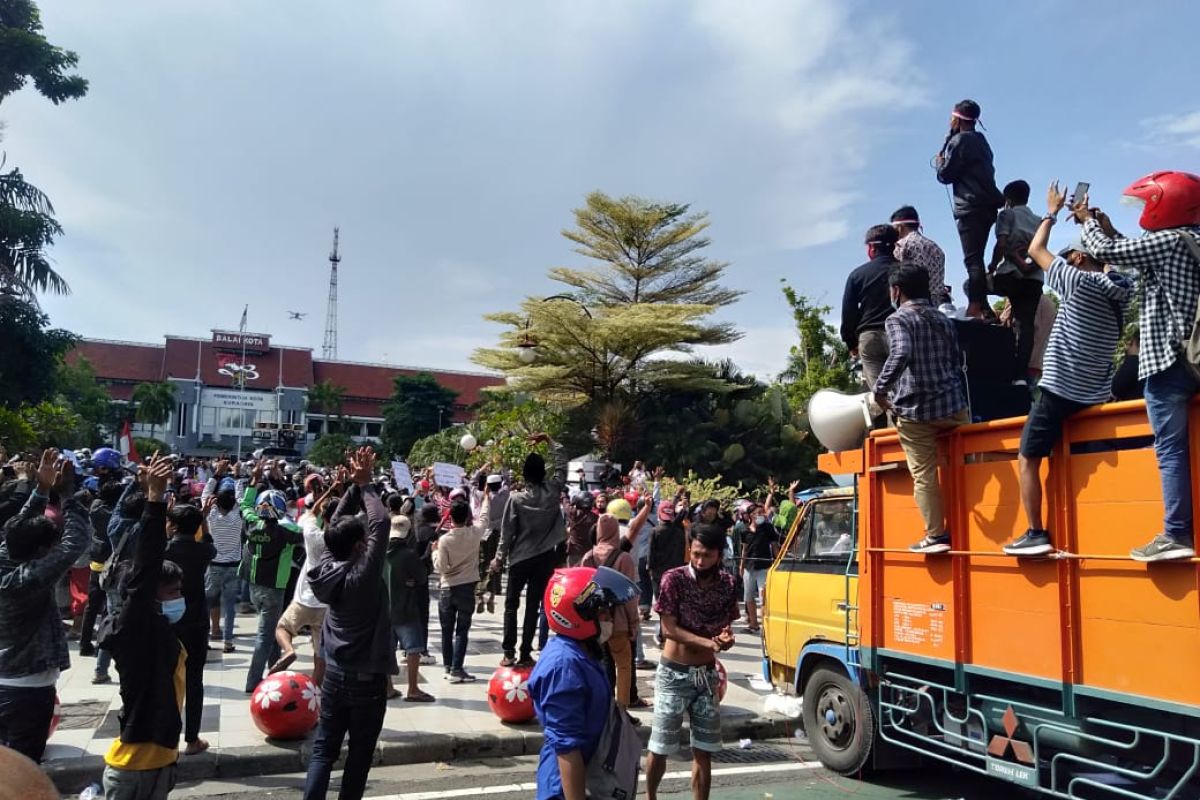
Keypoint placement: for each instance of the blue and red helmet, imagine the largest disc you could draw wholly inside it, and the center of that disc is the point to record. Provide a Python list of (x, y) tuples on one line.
[(271, 504), (106, 458)]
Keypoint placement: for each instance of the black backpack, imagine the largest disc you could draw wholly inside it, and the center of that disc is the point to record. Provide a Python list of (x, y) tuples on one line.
[(612, 771)]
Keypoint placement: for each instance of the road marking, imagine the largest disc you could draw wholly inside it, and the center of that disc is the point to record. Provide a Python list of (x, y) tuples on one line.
[(509, 788)]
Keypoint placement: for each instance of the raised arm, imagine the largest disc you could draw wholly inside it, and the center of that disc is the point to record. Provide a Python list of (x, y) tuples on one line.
[(368, 570)]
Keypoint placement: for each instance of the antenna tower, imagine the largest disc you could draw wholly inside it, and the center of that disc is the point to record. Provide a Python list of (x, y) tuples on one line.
[(329, 350)]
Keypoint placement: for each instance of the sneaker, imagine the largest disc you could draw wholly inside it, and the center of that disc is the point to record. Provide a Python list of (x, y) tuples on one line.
[(932, 544), (427, 660), (229, 648), (462, 676), (100, 679), (479, 606), (1162, 548), (525, 662), (87, 651), (455, 677), (644, 665), (1032, 543), (491, 606)]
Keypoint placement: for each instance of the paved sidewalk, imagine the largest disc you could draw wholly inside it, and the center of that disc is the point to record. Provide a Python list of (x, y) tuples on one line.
[(458, 724)]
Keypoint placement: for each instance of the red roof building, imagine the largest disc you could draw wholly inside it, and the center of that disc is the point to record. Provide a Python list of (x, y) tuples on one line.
[(242, 386)]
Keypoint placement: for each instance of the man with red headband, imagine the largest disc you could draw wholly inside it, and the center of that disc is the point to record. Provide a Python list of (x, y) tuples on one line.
[(1170, 285), (865, 304), (965, 164), (916, 248)]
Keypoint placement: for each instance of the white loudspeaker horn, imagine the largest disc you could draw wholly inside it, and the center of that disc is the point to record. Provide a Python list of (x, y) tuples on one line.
[(840, 421)]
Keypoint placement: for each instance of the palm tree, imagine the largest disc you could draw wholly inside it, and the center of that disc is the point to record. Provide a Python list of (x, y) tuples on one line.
[(154, 403), (326, 397), (27, 229)]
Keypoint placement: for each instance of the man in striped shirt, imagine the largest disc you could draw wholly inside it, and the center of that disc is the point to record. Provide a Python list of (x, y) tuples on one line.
[(1078, 365), (221, 583), (1169, 278), (921, 383)]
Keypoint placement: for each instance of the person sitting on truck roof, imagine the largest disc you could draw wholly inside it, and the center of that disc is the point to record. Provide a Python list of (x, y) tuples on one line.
[(920, 382), (1078, 367)]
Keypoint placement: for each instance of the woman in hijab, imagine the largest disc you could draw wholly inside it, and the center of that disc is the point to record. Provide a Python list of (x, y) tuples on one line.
[(619, 648)]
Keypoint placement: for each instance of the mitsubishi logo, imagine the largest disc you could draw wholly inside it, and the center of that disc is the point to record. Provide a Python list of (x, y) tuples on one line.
[(1000, 745)]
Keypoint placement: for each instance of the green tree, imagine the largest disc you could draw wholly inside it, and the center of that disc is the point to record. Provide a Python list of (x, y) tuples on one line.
[(442, 446), (820, 360), (502, 428), (329, 450), (29, 353), (54, 425), (419, 406), (154, 403), (326, 397), (26, 55), (27, 229), (75, 388), (146, 446), (16, 433), (648, 295)]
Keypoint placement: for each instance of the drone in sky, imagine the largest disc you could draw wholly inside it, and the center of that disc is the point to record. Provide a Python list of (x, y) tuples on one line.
[(297, 314)]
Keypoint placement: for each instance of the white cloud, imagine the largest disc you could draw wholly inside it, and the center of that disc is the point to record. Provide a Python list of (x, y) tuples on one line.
[(1177, 130)]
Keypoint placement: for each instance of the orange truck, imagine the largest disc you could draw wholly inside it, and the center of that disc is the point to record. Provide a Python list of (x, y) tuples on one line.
[(1076, 674)]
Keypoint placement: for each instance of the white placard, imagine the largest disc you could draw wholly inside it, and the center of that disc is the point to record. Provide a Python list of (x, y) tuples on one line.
[(402, 475), (449, 476)]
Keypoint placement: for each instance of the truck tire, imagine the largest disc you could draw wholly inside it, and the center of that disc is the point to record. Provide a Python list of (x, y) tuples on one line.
[(838, 721)]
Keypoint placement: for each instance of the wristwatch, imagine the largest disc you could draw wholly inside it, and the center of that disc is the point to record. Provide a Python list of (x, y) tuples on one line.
[(1051, 218)]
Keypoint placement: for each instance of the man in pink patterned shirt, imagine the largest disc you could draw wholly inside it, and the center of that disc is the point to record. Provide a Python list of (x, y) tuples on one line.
[(915, 248)]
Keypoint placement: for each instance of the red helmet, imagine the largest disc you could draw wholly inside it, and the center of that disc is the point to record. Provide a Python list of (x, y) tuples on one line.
[(1171, 200), (575, 595), (632, 499)]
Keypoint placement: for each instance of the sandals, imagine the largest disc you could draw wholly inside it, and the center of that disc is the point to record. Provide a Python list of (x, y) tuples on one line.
[(508, 661), (419, 697), (282, 664), (229, 648), (641, 702)]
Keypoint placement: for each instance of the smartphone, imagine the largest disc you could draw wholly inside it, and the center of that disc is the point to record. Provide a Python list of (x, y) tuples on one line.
[(1081, 190)]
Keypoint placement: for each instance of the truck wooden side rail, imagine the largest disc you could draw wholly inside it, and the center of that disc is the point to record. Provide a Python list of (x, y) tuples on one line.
[(1074, 674)]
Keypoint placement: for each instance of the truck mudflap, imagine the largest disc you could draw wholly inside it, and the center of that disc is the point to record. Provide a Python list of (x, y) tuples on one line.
[(1036, 747)]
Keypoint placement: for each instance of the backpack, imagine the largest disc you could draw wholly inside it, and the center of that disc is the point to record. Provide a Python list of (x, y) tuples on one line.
[(612, 771), (115, 568)]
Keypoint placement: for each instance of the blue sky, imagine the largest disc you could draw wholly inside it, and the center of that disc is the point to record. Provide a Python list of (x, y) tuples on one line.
[(221, 141)]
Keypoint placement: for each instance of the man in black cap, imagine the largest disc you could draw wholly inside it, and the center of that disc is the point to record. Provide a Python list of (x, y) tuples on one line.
[(916, 248), (965, 164), (866, 303)]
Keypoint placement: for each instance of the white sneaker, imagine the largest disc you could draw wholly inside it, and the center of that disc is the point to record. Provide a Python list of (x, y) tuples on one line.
[(427, 660)]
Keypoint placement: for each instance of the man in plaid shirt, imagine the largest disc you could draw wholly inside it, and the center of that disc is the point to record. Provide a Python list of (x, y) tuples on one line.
[(1170, 286), (921, 383)]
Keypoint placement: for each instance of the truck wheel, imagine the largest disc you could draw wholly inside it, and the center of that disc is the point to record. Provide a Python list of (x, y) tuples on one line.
[(838, 721)]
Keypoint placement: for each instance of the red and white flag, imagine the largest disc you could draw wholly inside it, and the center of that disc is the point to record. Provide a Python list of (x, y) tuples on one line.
[(125, 445)]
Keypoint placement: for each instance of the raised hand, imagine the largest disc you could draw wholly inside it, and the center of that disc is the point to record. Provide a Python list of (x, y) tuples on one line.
[(257, 472), (362, 465), (64, 477), (47, 474), (1056, 198), (221, 468), (158, 475), (208, 504)]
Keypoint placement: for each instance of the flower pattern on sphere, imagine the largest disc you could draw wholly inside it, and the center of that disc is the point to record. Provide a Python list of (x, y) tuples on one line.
[(516, 689), (310, 694), (269, 692)]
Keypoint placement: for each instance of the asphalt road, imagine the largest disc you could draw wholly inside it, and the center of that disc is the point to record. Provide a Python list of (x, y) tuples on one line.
[(774, 769)]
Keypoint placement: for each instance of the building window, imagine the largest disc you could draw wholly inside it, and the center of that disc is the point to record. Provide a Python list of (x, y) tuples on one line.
[(208, 417), (374, 429), (181, 420), (314, 426)]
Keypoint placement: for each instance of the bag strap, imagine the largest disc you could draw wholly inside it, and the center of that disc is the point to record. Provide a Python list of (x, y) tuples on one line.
[(120, 548), (614, 746), (613, 556)]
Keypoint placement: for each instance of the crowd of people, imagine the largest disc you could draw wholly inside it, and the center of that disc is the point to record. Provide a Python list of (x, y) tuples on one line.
[(143, 567), (897, 311)]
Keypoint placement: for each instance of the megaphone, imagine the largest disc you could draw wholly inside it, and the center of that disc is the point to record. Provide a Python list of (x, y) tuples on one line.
[(840, 421)]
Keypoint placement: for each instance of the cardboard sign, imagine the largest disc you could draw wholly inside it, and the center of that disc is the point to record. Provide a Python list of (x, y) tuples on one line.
[(448, 475), (402, 475)]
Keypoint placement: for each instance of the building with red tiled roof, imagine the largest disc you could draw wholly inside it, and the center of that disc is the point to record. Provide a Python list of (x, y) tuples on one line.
[(244, 386)]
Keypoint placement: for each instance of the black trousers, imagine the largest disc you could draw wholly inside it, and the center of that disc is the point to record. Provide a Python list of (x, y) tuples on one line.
[(96, 602), (25, 714), (194, 639), (1023, 295), (973, 231), (351, 703), (529, 576), (488, 581)]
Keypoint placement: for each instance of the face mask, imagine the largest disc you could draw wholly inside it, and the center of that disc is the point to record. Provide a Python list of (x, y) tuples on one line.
[(606, 630), (173, 609), (895, 300), (760, 520), (705, 574)]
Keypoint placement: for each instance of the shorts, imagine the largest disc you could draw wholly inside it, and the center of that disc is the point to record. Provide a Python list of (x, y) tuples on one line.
[(678, 690), (410, 637), (1043, 426), (297, 615), (754, 582)]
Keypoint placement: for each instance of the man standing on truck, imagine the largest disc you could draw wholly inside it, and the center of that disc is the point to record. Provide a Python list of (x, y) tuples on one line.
[(697, 604), (1170, 278), (921, 384), (1078, 366), (865, 302)]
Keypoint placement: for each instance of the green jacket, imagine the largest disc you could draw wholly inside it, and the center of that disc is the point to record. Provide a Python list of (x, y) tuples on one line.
[(269, 545)]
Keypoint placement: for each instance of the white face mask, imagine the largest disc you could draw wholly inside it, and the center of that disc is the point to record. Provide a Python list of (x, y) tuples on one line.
[(606, 630)]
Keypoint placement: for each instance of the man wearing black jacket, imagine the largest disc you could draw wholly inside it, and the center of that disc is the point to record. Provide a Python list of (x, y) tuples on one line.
[(866, 303), (357, 634), (192, 548), (965, 164), (141, 761)]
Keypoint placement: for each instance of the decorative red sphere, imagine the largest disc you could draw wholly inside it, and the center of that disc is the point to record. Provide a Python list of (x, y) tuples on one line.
[(508, 694), (724, 680), (56, 716), (285, 705)]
